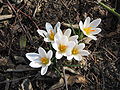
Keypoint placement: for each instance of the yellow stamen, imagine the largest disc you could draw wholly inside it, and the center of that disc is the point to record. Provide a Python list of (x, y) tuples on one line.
[(75, 51), (44, 60), (88, 30), (51, 35), (62, 48)]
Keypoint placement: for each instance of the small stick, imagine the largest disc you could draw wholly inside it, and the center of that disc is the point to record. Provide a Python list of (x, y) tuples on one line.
[(3, 17), (28, 35), (65, 78), (18, 10), (110, 53), (14, 80), (109, 9), (69, 25), (36, 8)]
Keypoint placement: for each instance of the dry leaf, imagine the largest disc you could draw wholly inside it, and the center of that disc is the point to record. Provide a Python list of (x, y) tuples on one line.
[(60, 84), (70, 81), (76, 79), (80, 79)]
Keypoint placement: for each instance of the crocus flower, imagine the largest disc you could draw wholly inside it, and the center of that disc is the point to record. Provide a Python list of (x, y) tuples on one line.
[(90, 28), (77, 52), (67, 33), (40, 59), (62, 46), (49, 35)]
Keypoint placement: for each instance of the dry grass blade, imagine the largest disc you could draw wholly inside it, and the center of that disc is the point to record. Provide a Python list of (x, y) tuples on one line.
[(4, 17)]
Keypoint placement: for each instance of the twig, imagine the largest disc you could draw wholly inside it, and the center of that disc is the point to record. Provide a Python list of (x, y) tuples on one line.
[(69, 25), (7, 85), (70, 70), (110, 53), (20, 70), (6, 81), (3, 17), (28, 35), (65, 78), (109, 9), (36, 8), (18, 10), (57, 71), (64, 4)]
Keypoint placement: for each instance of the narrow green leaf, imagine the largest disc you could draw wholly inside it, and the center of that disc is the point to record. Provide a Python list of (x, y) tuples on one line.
[(23, 41), (72, 65)]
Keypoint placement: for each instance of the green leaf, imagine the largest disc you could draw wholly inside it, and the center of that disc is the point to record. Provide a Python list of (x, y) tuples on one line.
[(23, 41), (72, 65), (81, 35)]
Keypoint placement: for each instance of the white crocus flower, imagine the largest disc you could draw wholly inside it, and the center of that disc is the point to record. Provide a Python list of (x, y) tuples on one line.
[(68, 34), (90, 28), (77, 52), (40, 59), (49, 35), (62, 46)]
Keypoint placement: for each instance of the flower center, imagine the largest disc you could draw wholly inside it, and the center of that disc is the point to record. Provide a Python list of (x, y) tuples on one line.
[(51, 35), (44, 60), (88, 30), (62, 48), (75, 51)]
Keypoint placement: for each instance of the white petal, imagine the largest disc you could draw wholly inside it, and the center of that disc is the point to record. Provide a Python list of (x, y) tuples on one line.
[(59, 33), (67, 32), (92, 37), (42, 33), (84, 53), (81, 25), (49, 54), (87, 22), (97, 30), (58, 55), (64, 39), (32, 56), (48, 27), (57, 26), (78, 57), (44, 70), (47, 40), (55, 46), (35, 64), (49, 63), (42, 52), (74, 38), (71, 44), (95, 23), (68, 52), (70, 57), (81, 46)]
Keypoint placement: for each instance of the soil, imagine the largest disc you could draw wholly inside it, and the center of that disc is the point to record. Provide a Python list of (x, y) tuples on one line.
[(18, 36)]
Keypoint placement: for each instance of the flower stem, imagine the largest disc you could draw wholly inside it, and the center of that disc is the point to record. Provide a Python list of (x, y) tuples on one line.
[(109, 9), (72, 28), (57, 71)]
